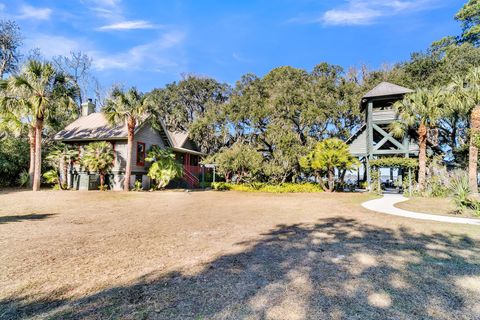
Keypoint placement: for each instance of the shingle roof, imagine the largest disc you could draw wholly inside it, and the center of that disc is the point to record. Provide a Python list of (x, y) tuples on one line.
[(387, 89), (92, 127), (96, 127)]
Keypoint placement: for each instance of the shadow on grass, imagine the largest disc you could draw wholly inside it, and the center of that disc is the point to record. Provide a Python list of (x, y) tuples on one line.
[(25, 217), (335, 269)]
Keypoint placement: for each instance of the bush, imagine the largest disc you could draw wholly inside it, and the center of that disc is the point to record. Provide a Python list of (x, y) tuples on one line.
[(269, 188), (14, 159), (461, 194), (23, 179), (221, 186)]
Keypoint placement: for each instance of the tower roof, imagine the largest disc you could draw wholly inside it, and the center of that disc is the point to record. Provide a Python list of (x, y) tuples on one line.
[(387, 89)]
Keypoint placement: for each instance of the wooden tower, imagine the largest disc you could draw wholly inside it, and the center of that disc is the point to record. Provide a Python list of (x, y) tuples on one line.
[(374, 139)]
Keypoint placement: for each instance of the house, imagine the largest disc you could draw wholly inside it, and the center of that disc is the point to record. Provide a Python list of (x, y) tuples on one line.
[(93, 126)]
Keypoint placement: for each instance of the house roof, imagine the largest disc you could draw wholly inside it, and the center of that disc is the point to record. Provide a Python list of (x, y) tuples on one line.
[(387, 89), (96, 127)]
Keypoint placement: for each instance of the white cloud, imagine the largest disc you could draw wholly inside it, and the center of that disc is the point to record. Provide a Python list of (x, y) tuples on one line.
[(364, 12), (29, 12), (159, 55), (110, 3), (2, 6), (128, 25)]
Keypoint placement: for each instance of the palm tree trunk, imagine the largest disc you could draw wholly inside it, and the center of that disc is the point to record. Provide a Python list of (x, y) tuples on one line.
[(31, 168), (38, 154), (102, 181), (422, 156), (473, 152), (318, 176), (331, 180), (128, 171), (65, 173)]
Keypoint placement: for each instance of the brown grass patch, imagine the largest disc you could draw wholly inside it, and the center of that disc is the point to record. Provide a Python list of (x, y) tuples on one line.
[(440, 206), (173, 255)]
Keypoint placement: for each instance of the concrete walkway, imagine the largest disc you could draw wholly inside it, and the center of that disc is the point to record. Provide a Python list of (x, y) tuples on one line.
[(386, 205)]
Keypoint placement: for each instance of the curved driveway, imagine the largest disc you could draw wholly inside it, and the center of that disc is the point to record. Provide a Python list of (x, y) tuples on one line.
[(387, 205)]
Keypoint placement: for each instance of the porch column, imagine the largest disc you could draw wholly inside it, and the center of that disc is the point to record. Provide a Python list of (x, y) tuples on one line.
[(369, 141)]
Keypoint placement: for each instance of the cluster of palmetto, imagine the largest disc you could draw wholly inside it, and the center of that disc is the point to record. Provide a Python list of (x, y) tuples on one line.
[(37, 94), (424, 109)]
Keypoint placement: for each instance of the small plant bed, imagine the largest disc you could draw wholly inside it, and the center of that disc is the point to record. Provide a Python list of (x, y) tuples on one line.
[(268, 188), (439, 206)]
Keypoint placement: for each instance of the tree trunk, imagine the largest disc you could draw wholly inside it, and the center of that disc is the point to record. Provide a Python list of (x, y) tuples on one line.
[(422, 156), (128, 171), (38, 154), (473, 152), (31, 168), (59, 180), (65, 173), (331, 180), (102, 181), (318, 176)]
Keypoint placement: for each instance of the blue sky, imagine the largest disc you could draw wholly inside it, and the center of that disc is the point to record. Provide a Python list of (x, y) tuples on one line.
[(151, 43)]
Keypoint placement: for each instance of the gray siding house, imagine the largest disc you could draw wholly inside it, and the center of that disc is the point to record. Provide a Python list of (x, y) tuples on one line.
[(93, 126)]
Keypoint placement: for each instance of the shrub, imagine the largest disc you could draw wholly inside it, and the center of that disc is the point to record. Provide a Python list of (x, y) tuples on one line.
[(98, 157), (164, 167), (52, 177), (23, 179), (14, 159), (221, 186), (269, 188), (137, 186), (461, 194)]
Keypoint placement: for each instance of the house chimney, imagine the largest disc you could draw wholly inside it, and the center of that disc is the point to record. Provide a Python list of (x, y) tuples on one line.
[(88, 108)]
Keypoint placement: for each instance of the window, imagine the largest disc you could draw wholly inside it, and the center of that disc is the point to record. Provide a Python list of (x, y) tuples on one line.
[(193, 160), (140, 154)]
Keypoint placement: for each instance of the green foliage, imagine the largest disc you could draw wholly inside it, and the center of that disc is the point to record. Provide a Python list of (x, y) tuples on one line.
[(327, 156), (240, 162), (422, 107), (192, 105), (469, 15), (98, 157), (438, 179), (221, 186), (23, 179), (126, 106), (395, 162), (137, 186), (461, 194), (59, 158), (14, 159), (375, 184), (52, 177), (164, 167), (269, 188)]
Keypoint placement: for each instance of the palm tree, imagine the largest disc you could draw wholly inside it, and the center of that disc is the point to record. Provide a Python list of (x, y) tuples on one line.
[(43, 90), (98, 157), (60, 157), (463, 99), (473, 98), (15, 118), (421, 110), (328, 155), (164, 166), (127, 107)]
